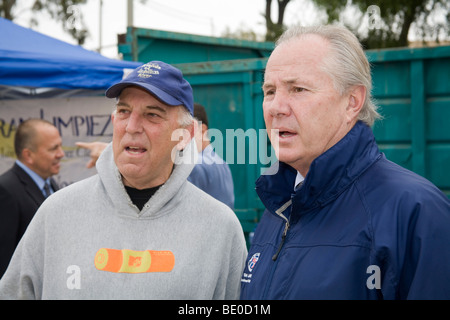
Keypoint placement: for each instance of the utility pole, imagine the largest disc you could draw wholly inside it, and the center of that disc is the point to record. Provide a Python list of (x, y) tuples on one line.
[(100, 27), (130, 13)]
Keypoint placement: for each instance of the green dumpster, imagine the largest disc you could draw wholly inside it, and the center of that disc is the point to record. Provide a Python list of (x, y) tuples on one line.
[(412, 88), (172, 47), (231, 93)]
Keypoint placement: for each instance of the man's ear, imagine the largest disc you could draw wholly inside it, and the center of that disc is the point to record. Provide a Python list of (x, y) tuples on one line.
[(198, 133), (204, 128), (26, 156), (186, 134), (356, 99)]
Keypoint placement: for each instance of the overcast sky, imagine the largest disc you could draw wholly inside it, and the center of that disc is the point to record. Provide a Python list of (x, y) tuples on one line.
[(203, 17)]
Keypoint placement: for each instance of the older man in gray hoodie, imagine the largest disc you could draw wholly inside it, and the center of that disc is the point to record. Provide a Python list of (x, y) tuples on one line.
[(138, 229)]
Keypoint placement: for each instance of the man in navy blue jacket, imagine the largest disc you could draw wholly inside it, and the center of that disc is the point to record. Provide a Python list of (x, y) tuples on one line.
[(341, 221)]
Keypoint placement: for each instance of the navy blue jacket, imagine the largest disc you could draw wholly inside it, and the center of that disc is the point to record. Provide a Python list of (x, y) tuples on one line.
[(360, 227)]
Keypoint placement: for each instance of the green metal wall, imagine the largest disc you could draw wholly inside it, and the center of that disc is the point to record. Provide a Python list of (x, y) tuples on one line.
[(172, 47), (231, 93), (412, 88)]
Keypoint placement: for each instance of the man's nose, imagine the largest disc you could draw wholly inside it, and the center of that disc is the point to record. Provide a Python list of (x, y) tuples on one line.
[(134, 124), (279, 105), (60, 153)]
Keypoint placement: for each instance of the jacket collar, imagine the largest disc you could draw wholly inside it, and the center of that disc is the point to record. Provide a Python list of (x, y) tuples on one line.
[(328, 176)]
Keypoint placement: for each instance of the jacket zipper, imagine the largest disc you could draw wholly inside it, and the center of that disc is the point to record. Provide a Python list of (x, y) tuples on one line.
[(279, 212)]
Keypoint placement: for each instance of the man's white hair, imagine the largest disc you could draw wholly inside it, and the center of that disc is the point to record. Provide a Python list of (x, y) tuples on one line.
[(347, 64)]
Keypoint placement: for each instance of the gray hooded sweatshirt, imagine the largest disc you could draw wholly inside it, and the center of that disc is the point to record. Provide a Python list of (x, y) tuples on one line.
[(89, 241)]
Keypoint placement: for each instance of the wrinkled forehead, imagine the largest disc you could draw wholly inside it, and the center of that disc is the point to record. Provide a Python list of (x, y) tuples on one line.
[(302, 57), (294, 59), (302, 50)]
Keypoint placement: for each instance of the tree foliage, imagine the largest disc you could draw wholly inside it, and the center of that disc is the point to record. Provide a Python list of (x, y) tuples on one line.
[(66, 12), (242, 33), (395, 20), (275, 29)]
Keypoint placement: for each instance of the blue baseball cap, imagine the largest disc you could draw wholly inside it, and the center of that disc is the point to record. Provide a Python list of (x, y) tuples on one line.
[(160, 79)]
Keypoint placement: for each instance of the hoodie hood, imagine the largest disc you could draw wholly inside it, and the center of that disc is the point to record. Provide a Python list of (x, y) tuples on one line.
[(163, 200)]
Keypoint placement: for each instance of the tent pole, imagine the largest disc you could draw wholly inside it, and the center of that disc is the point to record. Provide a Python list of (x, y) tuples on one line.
[(100, 25)]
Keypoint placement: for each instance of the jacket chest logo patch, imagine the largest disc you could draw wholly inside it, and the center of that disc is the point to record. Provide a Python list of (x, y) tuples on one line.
[(131, 261), (252, 262)]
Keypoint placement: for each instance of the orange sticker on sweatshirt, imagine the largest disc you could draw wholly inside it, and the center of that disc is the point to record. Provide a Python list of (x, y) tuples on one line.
[(130, 261)]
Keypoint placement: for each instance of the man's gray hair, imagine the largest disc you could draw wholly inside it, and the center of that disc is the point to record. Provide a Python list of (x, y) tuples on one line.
[(185, 118), (347, 65)]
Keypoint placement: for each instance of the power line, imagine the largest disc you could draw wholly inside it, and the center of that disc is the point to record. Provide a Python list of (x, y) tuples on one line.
[(179, 14)]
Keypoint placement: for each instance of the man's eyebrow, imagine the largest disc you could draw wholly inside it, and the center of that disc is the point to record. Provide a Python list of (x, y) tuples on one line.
[(269, 84), (288, 81), (121, 104), (55, 146), (150, 107), (158, 108)]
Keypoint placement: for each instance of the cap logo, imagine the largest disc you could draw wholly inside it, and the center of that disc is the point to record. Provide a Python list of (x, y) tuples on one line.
[(148, 70)]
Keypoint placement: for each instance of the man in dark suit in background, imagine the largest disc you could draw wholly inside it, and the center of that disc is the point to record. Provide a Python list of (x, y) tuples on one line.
[(23, 188)]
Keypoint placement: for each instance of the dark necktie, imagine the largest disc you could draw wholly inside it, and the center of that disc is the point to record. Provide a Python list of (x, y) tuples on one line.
[(46, 189)]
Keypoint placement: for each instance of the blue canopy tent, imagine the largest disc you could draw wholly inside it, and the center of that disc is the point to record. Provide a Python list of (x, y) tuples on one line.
[(33, 64), (42, 77)]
